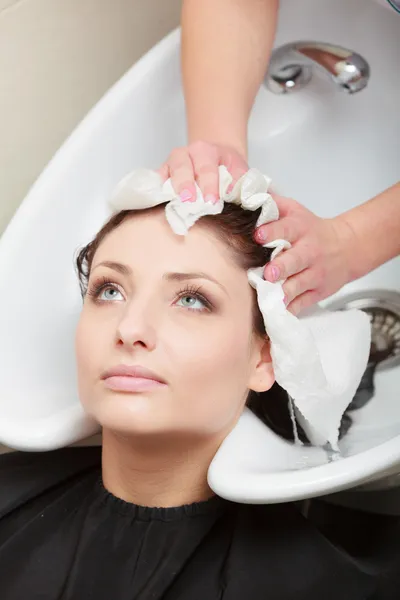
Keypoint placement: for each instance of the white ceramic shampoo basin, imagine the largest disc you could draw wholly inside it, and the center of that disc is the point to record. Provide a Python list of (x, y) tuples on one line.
[(328, 150)]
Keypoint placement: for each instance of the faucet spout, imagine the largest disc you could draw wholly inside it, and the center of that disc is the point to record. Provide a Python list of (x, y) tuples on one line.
[(291, 66)]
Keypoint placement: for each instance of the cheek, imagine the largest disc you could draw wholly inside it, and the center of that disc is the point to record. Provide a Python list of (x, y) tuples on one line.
[(224, 351), (90, 344), (214, 364), (212, 345)]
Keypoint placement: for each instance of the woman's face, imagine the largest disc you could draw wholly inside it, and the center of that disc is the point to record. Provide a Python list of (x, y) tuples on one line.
[(180, 307)]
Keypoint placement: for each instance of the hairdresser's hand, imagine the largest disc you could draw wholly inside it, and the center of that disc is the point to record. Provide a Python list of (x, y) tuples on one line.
[(317, 264), (199, 163)]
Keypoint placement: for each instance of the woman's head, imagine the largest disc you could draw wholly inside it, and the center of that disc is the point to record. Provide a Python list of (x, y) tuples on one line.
[(180, 307)]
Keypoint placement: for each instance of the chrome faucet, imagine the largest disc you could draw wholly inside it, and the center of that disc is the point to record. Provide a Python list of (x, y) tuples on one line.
[(291, 66)]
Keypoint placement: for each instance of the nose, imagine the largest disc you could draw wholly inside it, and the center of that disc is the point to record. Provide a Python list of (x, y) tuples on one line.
[(136, 327)]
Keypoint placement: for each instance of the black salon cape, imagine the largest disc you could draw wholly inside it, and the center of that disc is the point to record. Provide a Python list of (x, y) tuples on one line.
[(63, 536)]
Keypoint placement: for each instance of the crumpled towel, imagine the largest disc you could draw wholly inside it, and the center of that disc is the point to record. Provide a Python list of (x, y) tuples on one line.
[(319, 358)]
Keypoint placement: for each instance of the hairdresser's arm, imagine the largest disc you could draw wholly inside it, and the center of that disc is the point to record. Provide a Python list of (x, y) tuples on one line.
[(376, 232), (328, 253), (226, 45)]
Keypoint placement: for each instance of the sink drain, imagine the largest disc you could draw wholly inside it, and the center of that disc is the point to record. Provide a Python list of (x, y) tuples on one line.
[(383, 309)]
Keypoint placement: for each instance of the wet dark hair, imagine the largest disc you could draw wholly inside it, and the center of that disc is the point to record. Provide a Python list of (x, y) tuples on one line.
[(235, 227)]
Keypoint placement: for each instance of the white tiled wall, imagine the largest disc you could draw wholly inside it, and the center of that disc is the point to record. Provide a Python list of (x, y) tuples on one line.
[(57, 58)]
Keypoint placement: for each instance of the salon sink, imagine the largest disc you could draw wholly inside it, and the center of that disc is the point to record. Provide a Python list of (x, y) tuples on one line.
[(328, 150), (332, 151)]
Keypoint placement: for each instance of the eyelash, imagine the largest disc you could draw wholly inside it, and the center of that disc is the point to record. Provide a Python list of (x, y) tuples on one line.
[(100, 285), (194, 291)]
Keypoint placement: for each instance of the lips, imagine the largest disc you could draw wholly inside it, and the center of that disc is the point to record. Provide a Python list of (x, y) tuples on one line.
[(126, 378)]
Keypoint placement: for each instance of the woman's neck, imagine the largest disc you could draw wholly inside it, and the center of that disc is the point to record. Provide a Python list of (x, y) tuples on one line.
[(157, 472)]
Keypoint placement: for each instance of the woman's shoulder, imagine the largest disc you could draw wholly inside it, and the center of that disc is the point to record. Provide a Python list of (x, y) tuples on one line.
[(28, 475)]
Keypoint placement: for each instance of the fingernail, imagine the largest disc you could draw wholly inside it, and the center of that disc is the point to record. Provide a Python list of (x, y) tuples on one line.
[(186, 196), (285, 300), (274, 273), (211, 198), (261, 236)]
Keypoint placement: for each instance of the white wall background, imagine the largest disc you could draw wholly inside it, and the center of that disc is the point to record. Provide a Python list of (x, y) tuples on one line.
[(57, 58)]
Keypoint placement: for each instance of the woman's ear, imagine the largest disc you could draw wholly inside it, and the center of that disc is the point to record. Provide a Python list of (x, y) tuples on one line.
[(262, 376)]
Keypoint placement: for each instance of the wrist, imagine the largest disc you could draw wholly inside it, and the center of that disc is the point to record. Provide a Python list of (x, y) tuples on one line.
[(349, 247), (230, 148), (221, 142), (233, 137)]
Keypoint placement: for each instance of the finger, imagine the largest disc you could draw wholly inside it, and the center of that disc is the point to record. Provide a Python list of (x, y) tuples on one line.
[(205, 165), (237, 171), (164, 171), (286, 264), (303, 301), (236, 165), (299, 284), (182, 174), (286, 206), (283, 229)]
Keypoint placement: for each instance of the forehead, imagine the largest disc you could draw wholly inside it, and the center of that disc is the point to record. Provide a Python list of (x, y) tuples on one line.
[(147, 239)]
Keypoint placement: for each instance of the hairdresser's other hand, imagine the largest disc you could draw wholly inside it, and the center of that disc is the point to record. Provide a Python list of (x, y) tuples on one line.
[(317, 264), (198, 163)]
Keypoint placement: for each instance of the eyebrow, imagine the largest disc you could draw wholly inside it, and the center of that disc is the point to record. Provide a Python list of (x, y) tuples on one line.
[(115, 266), (126, 270)]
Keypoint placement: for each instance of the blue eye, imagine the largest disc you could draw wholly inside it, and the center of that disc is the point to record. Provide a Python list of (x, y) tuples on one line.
[(109, 294), (192, 301), (104, 290)]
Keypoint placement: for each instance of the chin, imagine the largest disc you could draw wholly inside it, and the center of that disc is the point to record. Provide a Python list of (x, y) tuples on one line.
[(129, 413)]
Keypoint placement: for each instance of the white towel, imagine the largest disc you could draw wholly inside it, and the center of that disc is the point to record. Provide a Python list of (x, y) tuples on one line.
[(318, 359)]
